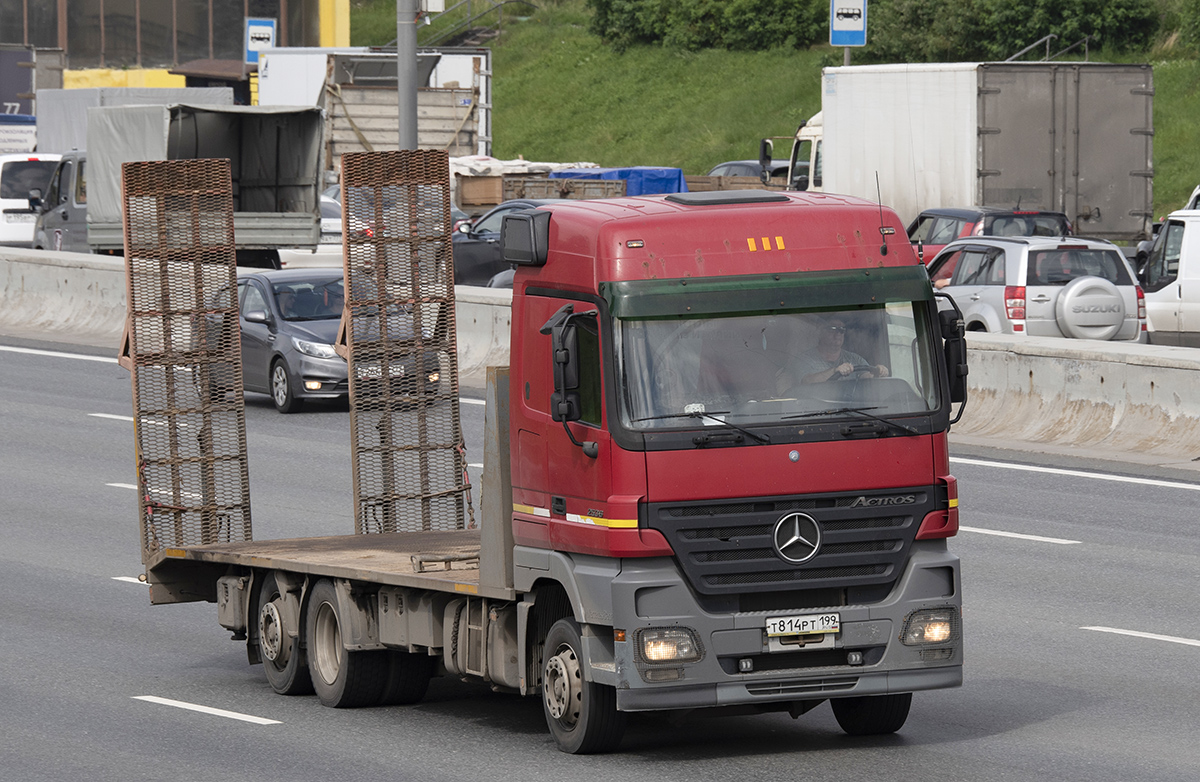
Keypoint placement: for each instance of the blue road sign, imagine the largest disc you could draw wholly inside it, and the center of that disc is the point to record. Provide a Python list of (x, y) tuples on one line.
[(848, 22)]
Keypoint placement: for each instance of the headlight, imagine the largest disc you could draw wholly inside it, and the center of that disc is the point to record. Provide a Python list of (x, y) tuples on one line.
[(930, 626), (315, 349), (668, 645)]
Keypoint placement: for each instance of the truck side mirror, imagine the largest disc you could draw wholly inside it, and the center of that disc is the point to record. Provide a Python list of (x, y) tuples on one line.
[(35, 200), (800, 182), (525, 237), (565, 403), (766, 149), (955, 348)]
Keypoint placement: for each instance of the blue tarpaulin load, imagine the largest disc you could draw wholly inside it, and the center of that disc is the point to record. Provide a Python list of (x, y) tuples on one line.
[(639, 180)]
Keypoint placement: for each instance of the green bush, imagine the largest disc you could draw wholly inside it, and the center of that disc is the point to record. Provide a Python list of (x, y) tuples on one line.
[(692, 25)]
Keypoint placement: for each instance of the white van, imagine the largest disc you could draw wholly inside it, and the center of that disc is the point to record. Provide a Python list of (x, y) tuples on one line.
[(19, 174)]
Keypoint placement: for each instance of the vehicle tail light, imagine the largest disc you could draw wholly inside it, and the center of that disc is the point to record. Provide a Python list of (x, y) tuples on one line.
[(1014, 305), (1141, 299)]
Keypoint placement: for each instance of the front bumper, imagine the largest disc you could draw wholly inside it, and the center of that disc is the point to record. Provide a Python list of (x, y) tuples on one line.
[(651, 593)]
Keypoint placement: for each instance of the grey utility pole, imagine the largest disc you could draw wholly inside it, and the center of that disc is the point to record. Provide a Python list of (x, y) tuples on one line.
[(406, 70)]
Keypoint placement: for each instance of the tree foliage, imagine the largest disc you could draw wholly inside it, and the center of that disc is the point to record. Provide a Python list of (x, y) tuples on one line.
[(898, 30)]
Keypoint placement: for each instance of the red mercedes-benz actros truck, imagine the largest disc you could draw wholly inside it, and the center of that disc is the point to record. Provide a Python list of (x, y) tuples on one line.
[(716, 476)]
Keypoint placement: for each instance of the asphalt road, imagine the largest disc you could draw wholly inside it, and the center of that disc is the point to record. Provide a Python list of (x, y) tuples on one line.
[(1080, 595)]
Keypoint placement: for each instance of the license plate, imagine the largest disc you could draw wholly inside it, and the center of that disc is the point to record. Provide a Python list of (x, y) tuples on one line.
[(18, 218), (803, 624)]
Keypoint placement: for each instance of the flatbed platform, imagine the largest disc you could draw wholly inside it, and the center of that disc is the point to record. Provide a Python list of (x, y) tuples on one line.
[(441, 561)]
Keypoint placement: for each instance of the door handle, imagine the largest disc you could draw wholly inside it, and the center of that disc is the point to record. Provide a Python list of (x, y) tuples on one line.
[(974, 297), (1041, 299)]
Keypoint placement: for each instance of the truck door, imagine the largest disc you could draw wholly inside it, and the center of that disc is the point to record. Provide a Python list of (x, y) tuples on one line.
[(63, 224), (1163, 288), (577, 486)]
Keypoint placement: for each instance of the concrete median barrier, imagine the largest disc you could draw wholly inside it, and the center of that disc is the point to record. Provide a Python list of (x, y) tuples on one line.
[(1098, 396), (77, 298)]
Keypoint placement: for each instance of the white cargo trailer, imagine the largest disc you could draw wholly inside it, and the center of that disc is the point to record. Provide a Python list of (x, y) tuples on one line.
[(1073, 137)]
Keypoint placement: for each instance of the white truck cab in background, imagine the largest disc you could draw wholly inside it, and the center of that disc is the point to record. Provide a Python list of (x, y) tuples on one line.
[(1171, 280)]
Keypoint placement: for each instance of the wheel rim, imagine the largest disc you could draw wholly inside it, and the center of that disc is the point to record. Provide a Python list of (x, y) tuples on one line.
[(271, 634), (563, 687), (327, 645), (279, 385)]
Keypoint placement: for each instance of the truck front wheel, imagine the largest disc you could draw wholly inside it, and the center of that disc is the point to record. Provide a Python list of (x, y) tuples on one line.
[(342, 679), (283, 659), (872, 715), (582, 715)]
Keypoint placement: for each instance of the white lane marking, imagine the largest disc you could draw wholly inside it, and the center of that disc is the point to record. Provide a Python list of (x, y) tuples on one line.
[(465, 401), (1038, 538), (110, 415), (122, 486), (1078, 474), (131, 580), (233, 715), (1149, 636), (56, 354), (129, 419), (477, 466)]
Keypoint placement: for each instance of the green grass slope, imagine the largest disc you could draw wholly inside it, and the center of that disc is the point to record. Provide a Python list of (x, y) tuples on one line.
[(560, 94)]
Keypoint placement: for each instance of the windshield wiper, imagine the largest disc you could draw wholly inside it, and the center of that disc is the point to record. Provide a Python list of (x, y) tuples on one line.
[(858, 411), (762, 438)]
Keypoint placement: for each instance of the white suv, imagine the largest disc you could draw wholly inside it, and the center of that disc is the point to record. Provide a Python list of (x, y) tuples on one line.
[(1042, 286)]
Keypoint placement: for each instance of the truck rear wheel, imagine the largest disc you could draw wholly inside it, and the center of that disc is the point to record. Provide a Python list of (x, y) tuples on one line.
[(283, 659), (872, 715), (582, 715), (341, 678)]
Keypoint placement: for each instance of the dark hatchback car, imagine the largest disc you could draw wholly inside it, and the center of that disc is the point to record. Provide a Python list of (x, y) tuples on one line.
[(935, 228), (477, 243), (289, 322)]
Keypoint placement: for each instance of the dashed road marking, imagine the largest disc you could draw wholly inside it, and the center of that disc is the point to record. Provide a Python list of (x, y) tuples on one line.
[(1036, 538), (1078, 473), (233, 715), (1149, 636)]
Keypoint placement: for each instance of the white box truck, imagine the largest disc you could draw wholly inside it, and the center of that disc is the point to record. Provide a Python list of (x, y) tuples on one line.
[(1072, 137)]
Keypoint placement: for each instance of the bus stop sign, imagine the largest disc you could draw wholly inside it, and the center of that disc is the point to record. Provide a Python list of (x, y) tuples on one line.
[(848, 22)]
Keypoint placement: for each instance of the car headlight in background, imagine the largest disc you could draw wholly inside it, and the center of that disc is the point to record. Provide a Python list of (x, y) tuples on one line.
[(930, 626), (315, 349)]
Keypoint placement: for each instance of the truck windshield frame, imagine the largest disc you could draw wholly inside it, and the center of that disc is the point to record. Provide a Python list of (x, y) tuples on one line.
[(785, 358)]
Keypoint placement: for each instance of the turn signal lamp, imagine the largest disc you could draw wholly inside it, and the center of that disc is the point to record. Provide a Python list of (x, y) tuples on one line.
[(930, 626), (1141, 305), (669, 645)]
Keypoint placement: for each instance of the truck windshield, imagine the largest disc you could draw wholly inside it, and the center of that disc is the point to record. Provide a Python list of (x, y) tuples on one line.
[(772, 368)]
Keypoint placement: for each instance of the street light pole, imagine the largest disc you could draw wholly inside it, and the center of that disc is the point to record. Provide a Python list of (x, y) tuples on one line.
[(406, 70)]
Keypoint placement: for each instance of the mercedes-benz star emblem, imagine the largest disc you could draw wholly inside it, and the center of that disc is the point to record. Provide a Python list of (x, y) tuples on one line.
[(797, 537)]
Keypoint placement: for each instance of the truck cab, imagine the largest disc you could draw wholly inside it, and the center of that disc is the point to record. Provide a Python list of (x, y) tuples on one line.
[(727, 421), (1171, 281), (61, 222)]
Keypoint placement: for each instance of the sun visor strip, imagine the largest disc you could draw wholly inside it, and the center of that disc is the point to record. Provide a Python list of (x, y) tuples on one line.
[(766, 292)]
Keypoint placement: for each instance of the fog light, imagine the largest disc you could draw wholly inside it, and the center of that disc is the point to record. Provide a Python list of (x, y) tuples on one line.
[(312, 385), (930, 626), (746, 665), (668, 645), (854, 658)]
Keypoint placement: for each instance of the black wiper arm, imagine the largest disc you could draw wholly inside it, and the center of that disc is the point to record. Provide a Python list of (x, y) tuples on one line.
[(762, 438), (857, 411)]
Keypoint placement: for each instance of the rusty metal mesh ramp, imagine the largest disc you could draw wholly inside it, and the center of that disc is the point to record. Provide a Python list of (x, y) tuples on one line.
[(399, 330), (183, 348)]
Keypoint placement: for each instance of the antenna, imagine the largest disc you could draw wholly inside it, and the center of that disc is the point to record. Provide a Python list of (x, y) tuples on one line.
[(884, 230)]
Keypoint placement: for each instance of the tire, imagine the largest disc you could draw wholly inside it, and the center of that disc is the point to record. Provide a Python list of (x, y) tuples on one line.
[(407, 678), (282, 656), (872, 715), (342, 679), (282, 393), (582, 715)]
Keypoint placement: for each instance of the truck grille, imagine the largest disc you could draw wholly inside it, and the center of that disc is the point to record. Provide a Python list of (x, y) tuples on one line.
[(728, 548)]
